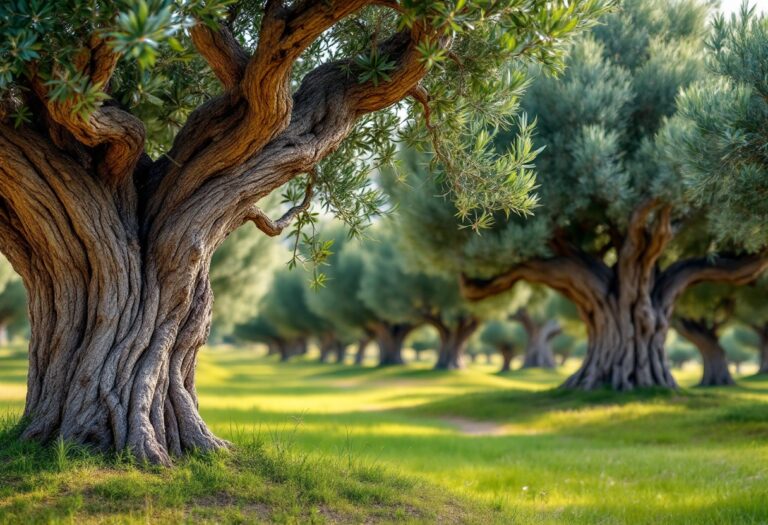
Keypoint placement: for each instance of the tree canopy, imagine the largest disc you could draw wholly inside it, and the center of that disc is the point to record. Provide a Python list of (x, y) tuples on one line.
[(610, 191)]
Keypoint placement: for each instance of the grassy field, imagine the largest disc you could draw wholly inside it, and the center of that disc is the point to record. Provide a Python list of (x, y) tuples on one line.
[(329, 443)]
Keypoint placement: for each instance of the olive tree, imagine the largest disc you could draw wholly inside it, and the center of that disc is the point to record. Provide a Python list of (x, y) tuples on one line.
[(752, 312), (701, 315), (239, 275), (612, 197), (681, 352), (259, 330), (135, 136), (405, 296), (505, 337), (336, 301), (287, 309)]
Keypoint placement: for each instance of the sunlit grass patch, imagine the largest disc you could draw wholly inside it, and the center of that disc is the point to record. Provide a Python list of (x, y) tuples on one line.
[(348, 444)]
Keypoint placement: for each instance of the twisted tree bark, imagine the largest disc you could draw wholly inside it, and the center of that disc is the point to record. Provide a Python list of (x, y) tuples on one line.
[(626, 307), (114, 249)]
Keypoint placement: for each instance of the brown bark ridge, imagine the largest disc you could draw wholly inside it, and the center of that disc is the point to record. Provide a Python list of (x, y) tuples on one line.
[(390, 339), (453, 342), (704, 337), (114, 249), (626, 307), (538, 350)]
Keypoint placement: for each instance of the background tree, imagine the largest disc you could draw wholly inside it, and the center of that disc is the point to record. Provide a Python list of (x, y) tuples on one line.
[(259, 330), (423, 339), (337, 300), (287, 309), (540, 320), (752, 312), (563, 347), (736, 347), (702, 313), (506, 338), (240, 271), (395, 290), (608, 197), (680, 351)]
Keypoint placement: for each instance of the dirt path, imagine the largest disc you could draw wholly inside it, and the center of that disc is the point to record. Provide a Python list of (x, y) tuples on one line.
[(471, 427)]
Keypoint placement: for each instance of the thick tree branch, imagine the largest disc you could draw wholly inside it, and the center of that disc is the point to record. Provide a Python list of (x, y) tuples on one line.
[(231, 136), (681, 275), (222, 52), (581, 283), (115, 136)]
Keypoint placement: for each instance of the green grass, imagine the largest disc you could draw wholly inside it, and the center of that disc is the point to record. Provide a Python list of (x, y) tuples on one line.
[(329, 443)]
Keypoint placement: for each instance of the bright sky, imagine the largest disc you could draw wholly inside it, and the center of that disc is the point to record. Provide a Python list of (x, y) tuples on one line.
[(731, 6)]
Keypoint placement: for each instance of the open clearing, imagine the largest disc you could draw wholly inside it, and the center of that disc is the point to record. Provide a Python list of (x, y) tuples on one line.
[(327, 443)]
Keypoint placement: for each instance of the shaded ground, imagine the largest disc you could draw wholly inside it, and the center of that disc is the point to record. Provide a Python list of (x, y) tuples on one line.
[(470, 446)]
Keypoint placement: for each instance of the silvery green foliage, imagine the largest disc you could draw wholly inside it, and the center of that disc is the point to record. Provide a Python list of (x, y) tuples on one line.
[(338, 300), (720, 137), (598, 124), (473, 88)]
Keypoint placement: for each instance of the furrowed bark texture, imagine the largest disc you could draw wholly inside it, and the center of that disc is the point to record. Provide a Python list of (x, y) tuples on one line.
[(538, 350), (453, 342), (114, 249), (626, 307), (706, 341)]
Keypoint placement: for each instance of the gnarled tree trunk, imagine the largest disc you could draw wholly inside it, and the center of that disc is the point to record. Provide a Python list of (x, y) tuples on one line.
[(538, 350), (713, 358), (390, 339), (626, 307), (114, 248), (453, 342)]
